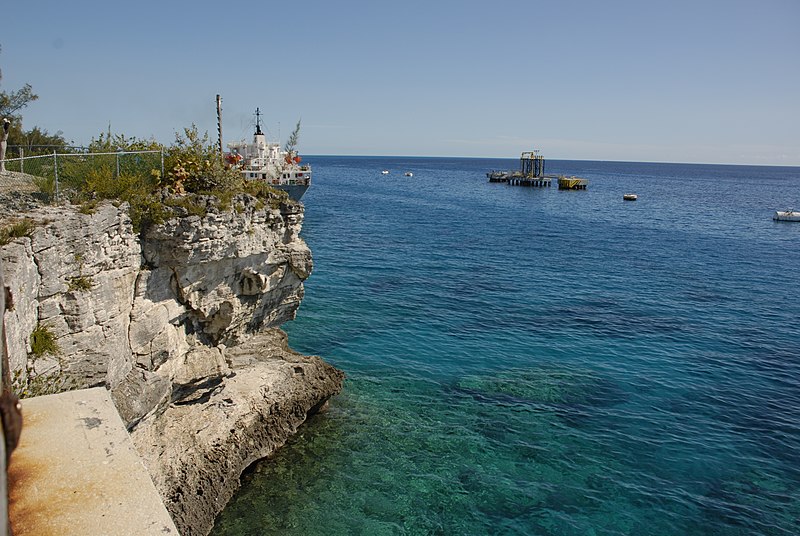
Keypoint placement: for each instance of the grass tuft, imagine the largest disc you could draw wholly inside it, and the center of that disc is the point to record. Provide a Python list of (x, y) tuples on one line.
[(80, 284), (18, 229), (43, 342)]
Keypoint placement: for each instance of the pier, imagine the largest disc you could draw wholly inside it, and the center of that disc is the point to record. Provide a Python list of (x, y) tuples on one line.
[(531, 173)]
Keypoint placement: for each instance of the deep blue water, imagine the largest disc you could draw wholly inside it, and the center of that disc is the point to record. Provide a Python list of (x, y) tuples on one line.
[(536, 361)]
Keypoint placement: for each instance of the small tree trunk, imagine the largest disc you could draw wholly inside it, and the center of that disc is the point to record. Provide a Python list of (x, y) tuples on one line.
[(4, 143)]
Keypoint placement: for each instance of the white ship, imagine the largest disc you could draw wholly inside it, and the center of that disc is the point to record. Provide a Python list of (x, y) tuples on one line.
[(265, 161)]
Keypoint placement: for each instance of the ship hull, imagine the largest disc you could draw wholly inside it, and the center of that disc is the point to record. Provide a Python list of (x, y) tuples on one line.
[(295, 191)]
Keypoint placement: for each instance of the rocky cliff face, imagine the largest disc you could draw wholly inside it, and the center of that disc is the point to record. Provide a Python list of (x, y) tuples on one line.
[(180, 324)]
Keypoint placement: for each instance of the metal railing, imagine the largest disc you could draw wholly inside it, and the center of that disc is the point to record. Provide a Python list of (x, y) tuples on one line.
[(49, 172)]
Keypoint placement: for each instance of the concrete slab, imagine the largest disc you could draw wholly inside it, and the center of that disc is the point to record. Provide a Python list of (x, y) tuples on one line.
[(76, 471)]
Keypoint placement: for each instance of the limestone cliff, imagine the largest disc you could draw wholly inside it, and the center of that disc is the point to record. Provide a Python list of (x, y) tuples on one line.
[(180, 323)]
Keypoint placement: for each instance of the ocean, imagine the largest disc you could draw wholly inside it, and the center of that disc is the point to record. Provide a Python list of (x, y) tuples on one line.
[(544, 362)]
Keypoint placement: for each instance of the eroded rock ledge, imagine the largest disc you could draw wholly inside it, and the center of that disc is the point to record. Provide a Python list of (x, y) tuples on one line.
[(198, 448), (180, 324)]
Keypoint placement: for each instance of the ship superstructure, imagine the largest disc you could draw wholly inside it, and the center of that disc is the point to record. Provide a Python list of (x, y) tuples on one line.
[(266, 161)]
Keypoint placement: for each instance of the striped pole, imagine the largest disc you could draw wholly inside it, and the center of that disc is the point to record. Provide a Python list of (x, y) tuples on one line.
[(219, 122)]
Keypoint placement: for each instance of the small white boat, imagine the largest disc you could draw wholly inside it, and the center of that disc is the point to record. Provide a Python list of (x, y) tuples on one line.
[(629, 197), (385, 172), (786, 215), (498, 176), (408, 174)]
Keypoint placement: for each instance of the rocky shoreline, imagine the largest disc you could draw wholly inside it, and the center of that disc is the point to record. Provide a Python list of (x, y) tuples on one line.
[(180, 323), (197, 450)]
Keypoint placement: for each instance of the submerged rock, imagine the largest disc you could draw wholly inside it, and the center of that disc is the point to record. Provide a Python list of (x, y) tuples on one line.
[(543, 385)]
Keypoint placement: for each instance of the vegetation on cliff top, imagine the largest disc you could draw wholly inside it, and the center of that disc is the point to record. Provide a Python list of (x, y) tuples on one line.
[(193, 170)]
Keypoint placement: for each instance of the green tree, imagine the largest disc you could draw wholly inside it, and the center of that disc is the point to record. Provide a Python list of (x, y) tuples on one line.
[(11, 103), (291, 143)]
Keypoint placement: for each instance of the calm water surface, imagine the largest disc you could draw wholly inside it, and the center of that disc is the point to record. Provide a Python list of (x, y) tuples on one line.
[(536, 361)]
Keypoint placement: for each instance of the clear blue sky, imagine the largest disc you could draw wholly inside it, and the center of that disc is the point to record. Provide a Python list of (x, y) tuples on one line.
[(677, 81)]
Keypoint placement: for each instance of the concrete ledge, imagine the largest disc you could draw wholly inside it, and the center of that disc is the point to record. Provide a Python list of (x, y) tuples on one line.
[(76, 471)]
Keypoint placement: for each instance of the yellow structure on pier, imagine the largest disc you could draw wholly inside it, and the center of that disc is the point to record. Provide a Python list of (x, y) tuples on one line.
[(572, 183)]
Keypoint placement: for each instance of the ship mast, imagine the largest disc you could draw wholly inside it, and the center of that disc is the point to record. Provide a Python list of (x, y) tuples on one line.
[(258, 123)]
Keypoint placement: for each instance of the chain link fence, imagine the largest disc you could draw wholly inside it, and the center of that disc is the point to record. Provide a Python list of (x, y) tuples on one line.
[(51, 174)]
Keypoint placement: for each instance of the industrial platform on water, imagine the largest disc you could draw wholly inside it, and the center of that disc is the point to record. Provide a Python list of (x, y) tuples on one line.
[(531, 173)]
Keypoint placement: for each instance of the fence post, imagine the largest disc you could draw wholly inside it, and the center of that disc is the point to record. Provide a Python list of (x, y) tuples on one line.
[(117, 155), (22, 160), (162, 163), (55, 172)]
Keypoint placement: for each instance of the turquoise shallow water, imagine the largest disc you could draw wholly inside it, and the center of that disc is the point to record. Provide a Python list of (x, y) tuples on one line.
[(536, 361)]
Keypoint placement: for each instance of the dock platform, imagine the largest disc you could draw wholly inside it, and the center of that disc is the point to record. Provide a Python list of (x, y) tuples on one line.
[(538, 182)]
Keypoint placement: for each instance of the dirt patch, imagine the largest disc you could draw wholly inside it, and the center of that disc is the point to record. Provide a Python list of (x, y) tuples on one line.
[(18, 194)]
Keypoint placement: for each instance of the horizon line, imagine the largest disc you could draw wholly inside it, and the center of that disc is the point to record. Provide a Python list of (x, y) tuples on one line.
[(553, 159)]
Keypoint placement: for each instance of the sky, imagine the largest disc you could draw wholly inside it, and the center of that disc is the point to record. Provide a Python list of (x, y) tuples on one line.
[(712, 81)]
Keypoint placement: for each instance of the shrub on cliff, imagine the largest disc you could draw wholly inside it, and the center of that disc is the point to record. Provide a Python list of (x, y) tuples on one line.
[(107, 172), (193, 164), (43, 373), (193, 168)]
